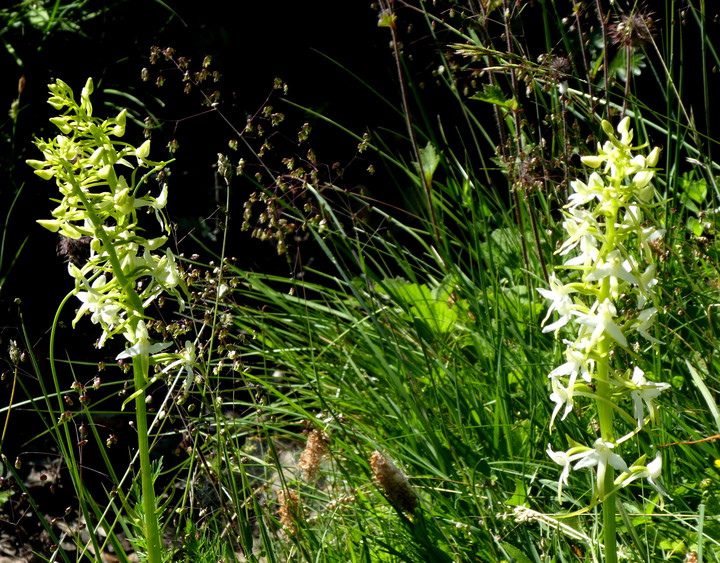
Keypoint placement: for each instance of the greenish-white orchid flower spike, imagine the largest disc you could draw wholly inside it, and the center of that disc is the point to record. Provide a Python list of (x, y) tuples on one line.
[(606, 305), (103, 184)]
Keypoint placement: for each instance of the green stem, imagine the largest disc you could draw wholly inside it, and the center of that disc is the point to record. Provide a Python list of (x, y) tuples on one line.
[(140, 374), (150, 520), (605, 416)]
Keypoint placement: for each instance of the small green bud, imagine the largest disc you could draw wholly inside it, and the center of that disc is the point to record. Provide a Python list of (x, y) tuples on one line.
[(608, 128), (593, 161), (62, 124), (162, 199), (642, 179), (646, 193), (45, 174), (68, 230), (52, 225), (36, 164), (119, 129), (85, 97), (155, 243), (124, 202), (57, 102), (624, 125), (96, 157), (653, 158), (143, 150)]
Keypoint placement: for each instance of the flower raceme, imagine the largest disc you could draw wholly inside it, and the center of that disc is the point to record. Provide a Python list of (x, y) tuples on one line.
[(608, 303), (99, 177)]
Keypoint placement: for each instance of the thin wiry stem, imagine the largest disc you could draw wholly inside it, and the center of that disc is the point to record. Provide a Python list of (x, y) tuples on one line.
[(606, 63), (387, 8)]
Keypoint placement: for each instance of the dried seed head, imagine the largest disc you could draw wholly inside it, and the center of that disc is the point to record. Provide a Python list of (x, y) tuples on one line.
[(633, 30), (14, 352), (290, 510), (315, 449), (394, 482)]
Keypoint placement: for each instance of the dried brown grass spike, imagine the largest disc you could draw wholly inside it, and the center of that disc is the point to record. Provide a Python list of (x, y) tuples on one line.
[(315, 449), (290, 510), (393, 482)]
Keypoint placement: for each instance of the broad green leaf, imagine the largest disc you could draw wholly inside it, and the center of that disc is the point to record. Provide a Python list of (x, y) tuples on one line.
[(696, 190), (429, 161), (694, 226), (493, 95)]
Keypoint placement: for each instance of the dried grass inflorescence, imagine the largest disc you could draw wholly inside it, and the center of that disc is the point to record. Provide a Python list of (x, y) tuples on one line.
[(290, 510), (285, 208), (633, 30), (393, 482), (315, 449)]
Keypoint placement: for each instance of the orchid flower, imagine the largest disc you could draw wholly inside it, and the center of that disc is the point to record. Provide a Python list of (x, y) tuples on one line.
[(651, 472), (601, 456), (577, 364), (578, 224), (559, 294), (187, 361), (562, 459), (615, 268), (646, 282), (585, 193), (601, 323), (644, 392), (141, 343), (561, 395), (646, 319)]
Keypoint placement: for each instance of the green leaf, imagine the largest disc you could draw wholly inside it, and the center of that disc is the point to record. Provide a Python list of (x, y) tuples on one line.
[(437, 315), (693, 192), (429, 161), (520, 496), (694, 226), (515, 553), (432, 311), (696, 190), (493, 95)]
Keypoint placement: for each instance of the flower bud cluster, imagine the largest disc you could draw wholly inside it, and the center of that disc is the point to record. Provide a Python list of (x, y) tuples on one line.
[(609, 304), (99, 177)]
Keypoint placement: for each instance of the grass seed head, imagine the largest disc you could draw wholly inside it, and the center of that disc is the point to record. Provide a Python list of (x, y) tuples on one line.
[(393, 482), (290, 510), (633, 30), (315, 449)]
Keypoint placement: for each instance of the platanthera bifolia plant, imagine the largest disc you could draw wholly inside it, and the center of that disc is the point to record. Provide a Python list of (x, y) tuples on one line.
[(102, 182), (607, 309)]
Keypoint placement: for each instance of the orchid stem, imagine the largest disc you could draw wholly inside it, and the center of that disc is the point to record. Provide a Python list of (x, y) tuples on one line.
[(605, 417), (140, 372), (150, 520)]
